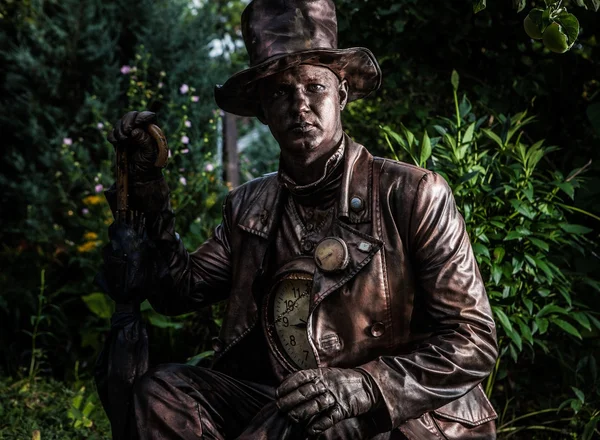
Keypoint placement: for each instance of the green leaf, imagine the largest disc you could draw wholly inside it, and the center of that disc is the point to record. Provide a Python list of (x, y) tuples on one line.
[(542, 265), (539, 243), (566, 327), (493, 136), (594, 320), (570, 26), (481, 249), (523, 208), (162, 321), (468, 136), (542, 325), (580, 395), (195, 360), (529, 304), (454, 78), (516, 338), (496, 273), (503, 319), (478, 5), (567, 187), (575, 229), (425, 149), (590, 428), (582, 319), (550, 308), (99, 304), (526, 332), (499, 253)]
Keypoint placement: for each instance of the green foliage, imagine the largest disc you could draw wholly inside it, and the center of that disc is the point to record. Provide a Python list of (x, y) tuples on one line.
[(49, 410), (518, 217), (71, 69)]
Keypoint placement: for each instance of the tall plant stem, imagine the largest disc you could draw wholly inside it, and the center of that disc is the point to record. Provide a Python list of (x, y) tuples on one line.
[(36, 324)]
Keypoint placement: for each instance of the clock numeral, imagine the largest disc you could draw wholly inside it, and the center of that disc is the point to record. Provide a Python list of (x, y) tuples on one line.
[(296, 292), (289, 304), (286, 321), (292, 341), (305, 355)]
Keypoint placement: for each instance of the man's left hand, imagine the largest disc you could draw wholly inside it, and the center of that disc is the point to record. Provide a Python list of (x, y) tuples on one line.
[(322, 397)]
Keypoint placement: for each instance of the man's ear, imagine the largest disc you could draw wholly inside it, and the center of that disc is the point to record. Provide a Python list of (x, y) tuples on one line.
[(343, 91)]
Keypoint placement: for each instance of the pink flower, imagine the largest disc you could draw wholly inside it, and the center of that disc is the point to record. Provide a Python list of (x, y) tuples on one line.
[(100, 125), (209, 167), (188, 124), (185, 140), (125, 69), (184, 89), (67, 141), (85, 211), (98, 188), (160, 85), (185, 151), (195, 98), (183, 181)]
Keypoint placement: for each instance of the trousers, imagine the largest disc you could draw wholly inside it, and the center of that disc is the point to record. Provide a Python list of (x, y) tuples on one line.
[(174, 401)]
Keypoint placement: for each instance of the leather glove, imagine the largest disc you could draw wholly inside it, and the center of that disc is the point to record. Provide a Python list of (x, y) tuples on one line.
[(130, 132), (126, 267), (322, 397)]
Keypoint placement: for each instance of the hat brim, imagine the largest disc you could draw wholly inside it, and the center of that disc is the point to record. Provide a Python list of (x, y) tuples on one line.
[(357, 65)]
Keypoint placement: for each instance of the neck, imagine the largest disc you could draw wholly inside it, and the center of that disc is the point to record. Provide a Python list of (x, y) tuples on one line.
[(306, 169)]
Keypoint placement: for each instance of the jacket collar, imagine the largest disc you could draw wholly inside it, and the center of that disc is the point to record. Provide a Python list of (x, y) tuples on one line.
[(354, 203)]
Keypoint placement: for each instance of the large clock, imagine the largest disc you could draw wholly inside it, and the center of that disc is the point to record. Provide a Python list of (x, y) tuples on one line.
[(287, 309)]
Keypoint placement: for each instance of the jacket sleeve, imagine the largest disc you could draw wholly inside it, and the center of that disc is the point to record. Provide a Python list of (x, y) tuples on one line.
[(459, 349), (181, 282)]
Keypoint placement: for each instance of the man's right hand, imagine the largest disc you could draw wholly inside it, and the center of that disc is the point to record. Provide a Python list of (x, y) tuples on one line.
[(130, 132)]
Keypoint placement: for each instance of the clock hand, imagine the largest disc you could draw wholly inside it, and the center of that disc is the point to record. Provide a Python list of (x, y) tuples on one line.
[(301, 324)]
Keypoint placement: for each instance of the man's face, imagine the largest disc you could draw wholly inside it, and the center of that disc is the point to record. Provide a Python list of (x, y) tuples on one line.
[(302, 107)]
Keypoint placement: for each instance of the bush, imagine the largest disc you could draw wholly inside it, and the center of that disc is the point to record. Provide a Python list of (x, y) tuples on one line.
[(519, 218)]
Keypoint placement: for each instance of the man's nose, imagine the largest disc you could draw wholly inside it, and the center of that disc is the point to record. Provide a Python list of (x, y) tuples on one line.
[(300, 102)]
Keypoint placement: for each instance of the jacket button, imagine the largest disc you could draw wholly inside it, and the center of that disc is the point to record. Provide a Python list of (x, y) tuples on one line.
[(377, 329), (356, 204), (217, 345)]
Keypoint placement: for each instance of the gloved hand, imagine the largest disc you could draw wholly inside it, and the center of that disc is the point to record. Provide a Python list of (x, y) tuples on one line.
[(320, 398), (127, 264), (130, 132)]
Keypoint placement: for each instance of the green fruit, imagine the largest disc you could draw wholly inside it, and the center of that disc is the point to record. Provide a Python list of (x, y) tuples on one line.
[(531, 28), (555, 39)]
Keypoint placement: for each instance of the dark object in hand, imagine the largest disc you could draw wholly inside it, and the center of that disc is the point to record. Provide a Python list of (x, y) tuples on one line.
[(131, 131), (126, 267)]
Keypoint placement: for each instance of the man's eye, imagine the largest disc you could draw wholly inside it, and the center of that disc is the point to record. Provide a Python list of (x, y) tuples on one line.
[(278, 93), (316, 87)]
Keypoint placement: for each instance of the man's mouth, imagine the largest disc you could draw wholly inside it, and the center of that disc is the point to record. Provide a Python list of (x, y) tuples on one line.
[(300, 127)]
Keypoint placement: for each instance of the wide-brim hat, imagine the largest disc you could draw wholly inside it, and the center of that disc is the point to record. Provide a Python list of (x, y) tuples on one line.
[(280, 34)]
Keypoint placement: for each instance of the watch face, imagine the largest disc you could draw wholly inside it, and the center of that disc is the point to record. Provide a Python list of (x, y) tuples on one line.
[(287, 317)]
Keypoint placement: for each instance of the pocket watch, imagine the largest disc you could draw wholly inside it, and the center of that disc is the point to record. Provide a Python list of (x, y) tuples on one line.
[(286, 312)]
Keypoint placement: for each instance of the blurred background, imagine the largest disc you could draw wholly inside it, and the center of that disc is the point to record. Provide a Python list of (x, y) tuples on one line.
[(514, 127)]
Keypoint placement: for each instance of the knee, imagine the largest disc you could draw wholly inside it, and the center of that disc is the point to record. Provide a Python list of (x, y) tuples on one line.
[(157, 381), (171, 379)]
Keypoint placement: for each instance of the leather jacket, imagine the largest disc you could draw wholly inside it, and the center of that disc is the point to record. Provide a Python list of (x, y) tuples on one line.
[(410, 309)]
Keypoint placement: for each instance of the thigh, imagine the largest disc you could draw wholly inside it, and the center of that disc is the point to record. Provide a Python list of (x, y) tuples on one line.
[(223, 404)]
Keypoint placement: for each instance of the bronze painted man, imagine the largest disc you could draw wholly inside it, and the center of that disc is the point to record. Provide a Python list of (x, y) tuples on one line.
[(356, 309)]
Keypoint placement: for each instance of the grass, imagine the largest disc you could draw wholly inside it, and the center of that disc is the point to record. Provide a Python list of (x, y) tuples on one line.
[(45, 409)]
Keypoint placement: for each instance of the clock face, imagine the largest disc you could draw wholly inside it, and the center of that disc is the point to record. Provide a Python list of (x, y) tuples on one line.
[(289, 306)]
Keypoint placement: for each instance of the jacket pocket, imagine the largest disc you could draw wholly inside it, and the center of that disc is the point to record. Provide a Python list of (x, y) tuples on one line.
[(470, 417)]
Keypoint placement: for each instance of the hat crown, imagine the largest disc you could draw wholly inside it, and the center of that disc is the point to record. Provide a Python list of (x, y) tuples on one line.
[(279, 27)]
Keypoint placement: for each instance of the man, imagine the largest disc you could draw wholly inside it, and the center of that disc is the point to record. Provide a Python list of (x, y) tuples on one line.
[(356, 309)]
